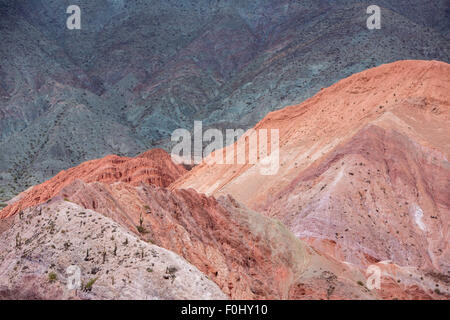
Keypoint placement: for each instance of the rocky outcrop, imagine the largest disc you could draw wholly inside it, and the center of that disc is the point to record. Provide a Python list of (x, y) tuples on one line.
[(49, 245)]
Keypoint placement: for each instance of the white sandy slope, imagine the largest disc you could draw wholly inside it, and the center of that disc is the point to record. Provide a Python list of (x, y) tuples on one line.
[(49, 238)]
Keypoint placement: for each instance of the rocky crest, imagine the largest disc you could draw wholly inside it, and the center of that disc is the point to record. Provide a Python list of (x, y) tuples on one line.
[(152, 167)]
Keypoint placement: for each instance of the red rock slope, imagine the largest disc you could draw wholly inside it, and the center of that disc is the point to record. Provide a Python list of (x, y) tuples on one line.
[(248, 255), (364, 171), (152, 167)]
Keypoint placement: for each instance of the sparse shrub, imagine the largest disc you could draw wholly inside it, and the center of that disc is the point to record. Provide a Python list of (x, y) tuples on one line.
[(171, 270), (170, 273), (88, 286), (52, 277), (67, 245), (141, 229), (18, 240)]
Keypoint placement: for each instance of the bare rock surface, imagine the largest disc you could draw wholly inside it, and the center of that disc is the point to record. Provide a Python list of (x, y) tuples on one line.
[(114, 263)]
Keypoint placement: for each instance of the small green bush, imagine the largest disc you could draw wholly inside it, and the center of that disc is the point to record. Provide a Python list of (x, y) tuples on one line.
[(141, 229), (52, 277), (88, 286)]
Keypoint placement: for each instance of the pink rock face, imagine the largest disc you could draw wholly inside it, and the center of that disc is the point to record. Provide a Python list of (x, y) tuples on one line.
[(152, 167), (374, 207), (364, 164)]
